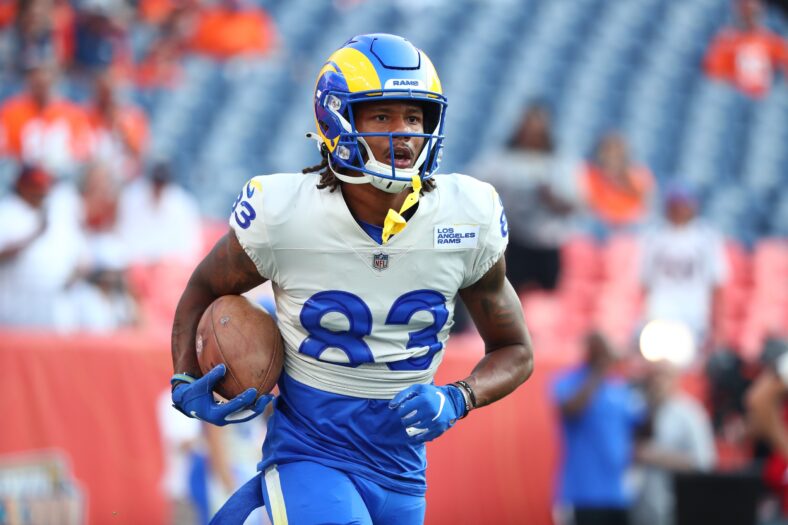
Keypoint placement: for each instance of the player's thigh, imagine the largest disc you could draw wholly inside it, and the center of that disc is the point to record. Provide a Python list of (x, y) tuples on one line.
[(307, 493), (388, 507)]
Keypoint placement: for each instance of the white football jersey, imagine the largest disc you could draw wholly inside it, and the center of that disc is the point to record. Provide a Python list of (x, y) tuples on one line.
[(359, 318)]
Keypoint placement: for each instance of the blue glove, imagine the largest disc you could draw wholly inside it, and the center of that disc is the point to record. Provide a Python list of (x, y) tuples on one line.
[(427, 411), (195, 399)]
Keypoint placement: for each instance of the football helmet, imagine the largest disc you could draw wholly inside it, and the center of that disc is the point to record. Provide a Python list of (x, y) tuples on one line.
[(364, 69)]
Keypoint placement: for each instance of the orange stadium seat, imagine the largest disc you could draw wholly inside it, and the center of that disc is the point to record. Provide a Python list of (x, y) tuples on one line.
[(580, 259), (621, 259)]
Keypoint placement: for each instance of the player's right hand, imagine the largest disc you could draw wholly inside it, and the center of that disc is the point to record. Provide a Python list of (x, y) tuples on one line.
[(196, 400)]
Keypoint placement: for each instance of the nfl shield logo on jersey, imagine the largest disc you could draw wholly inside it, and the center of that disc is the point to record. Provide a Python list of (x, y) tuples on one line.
[(380, 261)]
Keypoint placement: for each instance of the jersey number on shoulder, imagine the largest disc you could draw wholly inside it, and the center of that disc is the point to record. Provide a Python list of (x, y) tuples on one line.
[(246, 214), (359, 318)]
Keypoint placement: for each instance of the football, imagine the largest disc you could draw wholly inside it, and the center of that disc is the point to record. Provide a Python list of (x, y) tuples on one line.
[(244, 337)]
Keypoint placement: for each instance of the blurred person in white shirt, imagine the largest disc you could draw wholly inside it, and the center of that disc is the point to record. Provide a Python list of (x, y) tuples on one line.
[(181, 443), (101, 301), (540, 193), (158, 220), (680, 440), (683, 267), (42, 251)]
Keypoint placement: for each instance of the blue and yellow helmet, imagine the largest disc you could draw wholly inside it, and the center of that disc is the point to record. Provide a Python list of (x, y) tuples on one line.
[(369, 67)]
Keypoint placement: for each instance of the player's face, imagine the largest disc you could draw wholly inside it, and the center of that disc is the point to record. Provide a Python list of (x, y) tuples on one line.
[(392, 117)]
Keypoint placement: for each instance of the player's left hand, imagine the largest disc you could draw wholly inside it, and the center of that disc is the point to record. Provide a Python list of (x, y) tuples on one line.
[(427, 411)]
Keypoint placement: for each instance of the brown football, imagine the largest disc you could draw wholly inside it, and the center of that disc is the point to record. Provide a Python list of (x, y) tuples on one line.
[(246, 339)]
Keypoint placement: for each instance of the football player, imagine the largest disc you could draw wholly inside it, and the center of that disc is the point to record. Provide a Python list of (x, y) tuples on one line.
[(367, 258)]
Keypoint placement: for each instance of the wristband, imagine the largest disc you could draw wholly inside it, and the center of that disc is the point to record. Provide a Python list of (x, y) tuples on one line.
[(176, 379), (468, 394)]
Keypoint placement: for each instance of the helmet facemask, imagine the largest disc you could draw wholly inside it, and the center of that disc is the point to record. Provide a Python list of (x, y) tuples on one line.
[(347, 155)]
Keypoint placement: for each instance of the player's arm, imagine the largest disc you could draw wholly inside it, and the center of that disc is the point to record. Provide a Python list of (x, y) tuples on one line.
[(495, 309), (498, 315), (225, 270)]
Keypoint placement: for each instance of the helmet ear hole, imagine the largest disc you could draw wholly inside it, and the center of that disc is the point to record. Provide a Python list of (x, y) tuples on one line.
[(432, 114)]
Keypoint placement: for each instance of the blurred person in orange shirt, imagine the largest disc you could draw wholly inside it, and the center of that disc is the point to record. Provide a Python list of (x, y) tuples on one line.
[(37, 126), (160, 66), (747, 56), (231, 28), (617, 190), (120, 129)]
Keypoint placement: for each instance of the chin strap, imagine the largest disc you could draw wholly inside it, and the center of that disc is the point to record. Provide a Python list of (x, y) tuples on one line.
[(394, 222)]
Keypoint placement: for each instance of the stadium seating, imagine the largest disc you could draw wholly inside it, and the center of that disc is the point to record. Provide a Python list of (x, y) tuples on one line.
[(634, 66), (600, 65)]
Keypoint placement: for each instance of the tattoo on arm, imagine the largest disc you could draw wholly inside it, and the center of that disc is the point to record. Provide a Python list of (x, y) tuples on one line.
[(498, 315), (226, 270), (495, 307)]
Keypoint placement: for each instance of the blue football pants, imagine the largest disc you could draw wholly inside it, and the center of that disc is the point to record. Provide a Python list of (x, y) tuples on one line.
[(307, 493)]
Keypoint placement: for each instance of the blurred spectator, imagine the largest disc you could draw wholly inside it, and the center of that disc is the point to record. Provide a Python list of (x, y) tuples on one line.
[(100, 193), (8, 9), (160, 67), (120, 129), (599, 415), (233, 28), (44, 31), (728, 379), (101, 301), (39, 127), (539, 193), (767, 414), (617, 191), (683, 267), (161, 12), (181, 446), (159, 220), (100, 39), (41, 252), (749, 55), (233, 452), (681, 440), (204, 464)]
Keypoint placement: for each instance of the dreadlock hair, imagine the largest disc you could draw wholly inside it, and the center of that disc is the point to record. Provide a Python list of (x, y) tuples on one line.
[(330, 181)]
